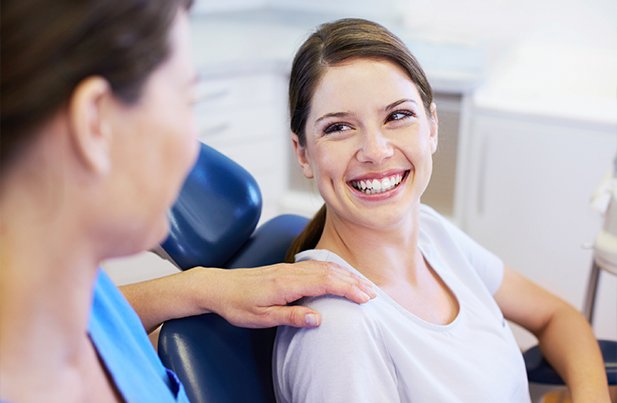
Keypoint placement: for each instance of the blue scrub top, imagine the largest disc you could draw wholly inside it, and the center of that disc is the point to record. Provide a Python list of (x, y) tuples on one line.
[(123, 345)]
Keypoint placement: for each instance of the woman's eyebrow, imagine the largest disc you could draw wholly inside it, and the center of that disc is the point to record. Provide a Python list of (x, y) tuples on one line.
[(345, 114), (332, 115), (400, 101)]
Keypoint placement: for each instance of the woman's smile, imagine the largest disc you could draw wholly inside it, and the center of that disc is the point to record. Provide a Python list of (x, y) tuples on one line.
[(378, 185)]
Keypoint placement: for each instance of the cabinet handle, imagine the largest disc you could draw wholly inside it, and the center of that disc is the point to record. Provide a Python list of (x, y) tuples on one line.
[(482, 175)]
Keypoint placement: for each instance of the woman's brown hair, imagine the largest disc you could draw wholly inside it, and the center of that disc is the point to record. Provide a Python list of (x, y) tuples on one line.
[(49, 46), (331, 44)]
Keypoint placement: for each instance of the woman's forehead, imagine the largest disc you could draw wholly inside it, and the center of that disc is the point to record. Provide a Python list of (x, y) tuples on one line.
[(360, 81)]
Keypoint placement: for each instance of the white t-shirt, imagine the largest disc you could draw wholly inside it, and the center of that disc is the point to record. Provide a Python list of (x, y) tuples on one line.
[(380, 352)]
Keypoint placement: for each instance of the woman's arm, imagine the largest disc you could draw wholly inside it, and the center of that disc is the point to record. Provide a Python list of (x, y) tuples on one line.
[(565, 337), (254, 298)]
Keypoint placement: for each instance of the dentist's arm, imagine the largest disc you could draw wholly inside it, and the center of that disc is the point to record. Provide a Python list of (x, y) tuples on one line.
[(565, 337), (256, 297)]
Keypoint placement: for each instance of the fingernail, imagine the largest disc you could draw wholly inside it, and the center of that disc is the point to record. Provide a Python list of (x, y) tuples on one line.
[(363, 296), (310, 319), (368, 289)]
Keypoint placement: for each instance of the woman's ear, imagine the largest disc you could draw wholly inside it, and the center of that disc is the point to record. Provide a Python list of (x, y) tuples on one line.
[(89, 127), (434, 127), (300, 151)]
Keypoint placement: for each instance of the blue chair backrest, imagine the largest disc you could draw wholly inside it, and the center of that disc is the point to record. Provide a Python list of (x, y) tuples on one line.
[(212, 225), (216, 212)]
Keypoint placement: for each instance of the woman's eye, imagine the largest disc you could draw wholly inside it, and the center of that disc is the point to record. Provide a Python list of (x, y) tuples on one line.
[(400, 115), (336, 128)]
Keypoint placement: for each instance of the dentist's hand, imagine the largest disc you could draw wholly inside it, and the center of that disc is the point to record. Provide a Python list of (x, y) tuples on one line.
[(259, 297), (256, 297)]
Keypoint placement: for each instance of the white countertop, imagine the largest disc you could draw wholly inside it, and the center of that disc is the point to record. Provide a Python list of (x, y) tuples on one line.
[(544, 80)]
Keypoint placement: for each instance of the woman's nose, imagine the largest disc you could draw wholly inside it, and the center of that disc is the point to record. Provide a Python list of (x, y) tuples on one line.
[(375, 147)]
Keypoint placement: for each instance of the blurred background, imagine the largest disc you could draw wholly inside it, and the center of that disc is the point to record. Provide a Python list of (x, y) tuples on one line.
[(526, 92)]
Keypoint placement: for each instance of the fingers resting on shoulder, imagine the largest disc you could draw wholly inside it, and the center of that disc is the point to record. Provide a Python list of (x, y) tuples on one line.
[(260, 297), (322, 278)]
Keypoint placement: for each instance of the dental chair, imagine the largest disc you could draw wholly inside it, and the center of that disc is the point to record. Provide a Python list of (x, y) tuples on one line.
[(213, 224)]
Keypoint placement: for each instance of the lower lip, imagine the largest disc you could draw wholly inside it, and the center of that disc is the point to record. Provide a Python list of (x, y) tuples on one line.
[(381, 196)]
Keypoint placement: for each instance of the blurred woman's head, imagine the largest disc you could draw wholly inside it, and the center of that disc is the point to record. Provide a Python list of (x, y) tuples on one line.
[(96, 108), (49, 47)]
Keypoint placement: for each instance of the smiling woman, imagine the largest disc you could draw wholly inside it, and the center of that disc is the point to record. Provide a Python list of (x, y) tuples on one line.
[(365, 129)]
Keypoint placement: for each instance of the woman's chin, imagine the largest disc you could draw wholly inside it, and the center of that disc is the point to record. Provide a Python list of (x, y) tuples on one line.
[(160, 233), (150, 238)]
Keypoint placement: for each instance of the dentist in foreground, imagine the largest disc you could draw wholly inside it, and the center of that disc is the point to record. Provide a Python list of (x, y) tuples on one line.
[(96, 139)]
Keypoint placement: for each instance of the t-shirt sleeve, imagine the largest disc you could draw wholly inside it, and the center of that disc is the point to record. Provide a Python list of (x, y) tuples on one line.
[(486, 264), (343, 360)]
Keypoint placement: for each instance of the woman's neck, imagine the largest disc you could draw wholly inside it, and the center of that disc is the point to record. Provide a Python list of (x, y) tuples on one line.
[(383, 255), (46, 278)]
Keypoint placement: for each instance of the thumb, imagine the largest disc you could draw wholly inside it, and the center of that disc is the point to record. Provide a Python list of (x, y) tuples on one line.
[(296, 316)]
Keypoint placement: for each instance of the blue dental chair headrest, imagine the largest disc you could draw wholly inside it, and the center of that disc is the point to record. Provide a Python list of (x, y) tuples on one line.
[(216, 212), (213, 225)]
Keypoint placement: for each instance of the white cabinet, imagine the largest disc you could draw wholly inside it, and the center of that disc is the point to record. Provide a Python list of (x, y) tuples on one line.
[(242, 115), (528, 184)]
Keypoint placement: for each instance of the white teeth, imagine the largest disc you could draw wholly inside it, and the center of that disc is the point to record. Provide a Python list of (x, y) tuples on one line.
[(378, 186)]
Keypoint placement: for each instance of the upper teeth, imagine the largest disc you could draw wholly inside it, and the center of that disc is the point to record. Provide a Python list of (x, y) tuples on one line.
[(373, 186)]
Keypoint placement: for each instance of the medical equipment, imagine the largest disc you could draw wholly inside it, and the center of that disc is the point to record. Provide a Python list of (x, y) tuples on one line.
[(605, 246)]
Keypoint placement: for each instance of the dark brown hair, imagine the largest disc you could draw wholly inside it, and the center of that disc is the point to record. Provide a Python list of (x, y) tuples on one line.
[(332, 44), (49, 46)]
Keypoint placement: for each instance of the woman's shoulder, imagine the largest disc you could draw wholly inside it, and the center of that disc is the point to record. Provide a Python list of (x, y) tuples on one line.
[(334, 309), (307, 361), (340, 310), (341, 319)]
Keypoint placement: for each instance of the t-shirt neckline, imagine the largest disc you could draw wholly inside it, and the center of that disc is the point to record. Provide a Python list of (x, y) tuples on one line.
[(327, 255)]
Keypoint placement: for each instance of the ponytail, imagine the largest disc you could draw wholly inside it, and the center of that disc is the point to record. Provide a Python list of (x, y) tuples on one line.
[(309, 237)]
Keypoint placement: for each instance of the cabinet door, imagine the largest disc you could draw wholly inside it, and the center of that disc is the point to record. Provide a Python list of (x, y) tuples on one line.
[(528, 193)]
